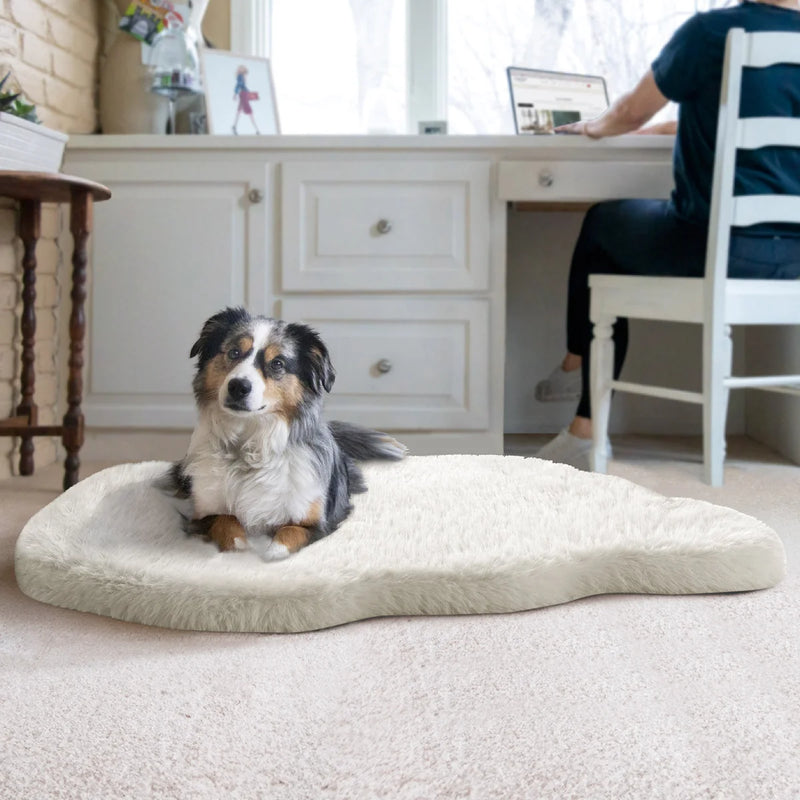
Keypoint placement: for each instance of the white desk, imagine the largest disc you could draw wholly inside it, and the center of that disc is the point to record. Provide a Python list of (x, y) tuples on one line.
[(395, 247)]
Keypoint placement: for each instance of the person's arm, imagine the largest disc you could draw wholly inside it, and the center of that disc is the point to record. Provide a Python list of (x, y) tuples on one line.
[(668, 127), (627, 114)]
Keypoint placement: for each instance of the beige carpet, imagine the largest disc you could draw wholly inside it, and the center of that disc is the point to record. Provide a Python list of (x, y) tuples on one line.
[(608, 697)]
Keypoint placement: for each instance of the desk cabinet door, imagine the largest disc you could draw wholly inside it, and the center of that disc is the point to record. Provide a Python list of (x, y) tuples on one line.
[(174, 245)]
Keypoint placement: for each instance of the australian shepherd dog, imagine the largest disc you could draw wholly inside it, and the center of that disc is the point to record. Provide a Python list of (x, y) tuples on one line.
[(263, 469)]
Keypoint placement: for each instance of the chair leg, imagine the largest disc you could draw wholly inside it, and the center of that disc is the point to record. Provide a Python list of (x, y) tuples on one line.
[(601, 371), (718, 357)]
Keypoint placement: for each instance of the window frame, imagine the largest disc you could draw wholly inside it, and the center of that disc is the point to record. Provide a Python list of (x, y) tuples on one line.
[(426, 62), (426, 53), (251, 27)]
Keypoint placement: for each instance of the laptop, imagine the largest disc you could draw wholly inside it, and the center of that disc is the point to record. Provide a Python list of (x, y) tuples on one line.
[(541, 100)]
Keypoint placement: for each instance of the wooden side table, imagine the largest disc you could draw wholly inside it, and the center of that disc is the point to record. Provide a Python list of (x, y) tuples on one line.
[(31, 189)]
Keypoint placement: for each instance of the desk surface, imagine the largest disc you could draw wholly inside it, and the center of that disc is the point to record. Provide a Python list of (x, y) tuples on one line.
[(578, 146), (581, 170)]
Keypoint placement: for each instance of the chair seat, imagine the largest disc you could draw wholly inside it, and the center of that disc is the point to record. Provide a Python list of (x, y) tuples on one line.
[(641, 297), (747, 302)]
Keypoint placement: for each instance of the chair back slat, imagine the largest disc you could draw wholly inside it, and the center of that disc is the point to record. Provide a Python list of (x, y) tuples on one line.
[(752, 209), (767, 48), (756, 132)]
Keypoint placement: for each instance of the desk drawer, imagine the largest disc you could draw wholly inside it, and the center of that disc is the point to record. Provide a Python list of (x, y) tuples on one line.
[(571, 181), (405, 364), (385, 226)]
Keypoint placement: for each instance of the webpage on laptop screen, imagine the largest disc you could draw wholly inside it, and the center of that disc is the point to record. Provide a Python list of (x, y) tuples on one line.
[(543, 100)]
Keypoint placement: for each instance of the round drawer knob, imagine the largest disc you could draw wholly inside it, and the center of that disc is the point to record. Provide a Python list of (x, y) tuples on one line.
[(255, 195), (384, 366), (546, 178), (383, 226)]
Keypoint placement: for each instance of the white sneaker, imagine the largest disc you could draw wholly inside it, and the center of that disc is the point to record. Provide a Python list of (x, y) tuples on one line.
[(569, 449), (559, 385)]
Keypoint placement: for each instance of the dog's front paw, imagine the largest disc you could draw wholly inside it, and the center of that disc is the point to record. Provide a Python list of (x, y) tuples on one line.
[(266, 548), (224, 530)]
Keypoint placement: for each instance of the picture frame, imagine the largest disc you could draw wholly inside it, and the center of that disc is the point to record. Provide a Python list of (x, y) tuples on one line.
[(239, 93)]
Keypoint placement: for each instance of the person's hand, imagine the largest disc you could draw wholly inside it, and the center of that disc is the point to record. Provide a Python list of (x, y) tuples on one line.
[(575, 128), (584, 127)]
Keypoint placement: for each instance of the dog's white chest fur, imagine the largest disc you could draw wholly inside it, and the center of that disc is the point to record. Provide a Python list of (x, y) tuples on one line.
[(252, 475)]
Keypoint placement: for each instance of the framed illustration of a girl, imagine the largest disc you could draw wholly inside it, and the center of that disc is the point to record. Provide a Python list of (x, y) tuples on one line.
[(240, 96)]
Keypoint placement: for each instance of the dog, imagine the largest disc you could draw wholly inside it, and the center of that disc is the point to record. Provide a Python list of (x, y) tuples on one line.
[(263, 469)]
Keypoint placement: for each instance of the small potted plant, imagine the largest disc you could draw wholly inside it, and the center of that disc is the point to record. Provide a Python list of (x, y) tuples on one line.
[(26, 144)]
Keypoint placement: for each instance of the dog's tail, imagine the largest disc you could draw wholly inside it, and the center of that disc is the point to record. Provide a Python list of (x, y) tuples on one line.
[(363, 444)]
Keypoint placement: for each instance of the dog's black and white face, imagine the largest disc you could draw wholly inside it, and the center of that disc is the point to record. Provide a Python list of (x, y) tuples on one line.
[(259, 365)]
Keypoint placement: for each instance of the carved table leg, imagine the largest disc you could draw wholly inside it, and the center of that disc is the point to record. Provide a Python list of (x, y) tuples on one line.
[(29, 228), (80, 226)]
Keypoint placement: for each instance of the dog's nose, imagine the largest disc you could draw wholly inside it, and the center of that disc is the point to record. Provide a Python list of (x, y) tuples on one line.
[(239, 388)]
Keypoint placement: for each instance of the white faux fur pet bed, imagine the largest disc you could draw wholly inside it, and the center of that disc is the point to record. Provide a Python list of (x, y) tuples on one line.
[(433, 535)]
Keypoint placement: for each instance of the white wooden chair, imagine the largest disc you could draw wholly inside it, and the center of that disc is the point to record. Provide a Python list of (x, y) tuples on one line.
[(715, 301)]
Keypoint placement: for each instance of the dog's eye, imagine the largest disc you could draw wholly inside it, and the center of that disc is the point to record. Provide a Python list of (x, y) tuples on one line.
[(277, 365), (234, 353)]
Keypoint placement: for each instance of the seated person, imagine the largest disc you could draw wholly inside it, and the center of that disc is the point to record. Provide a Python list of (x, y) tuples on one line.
[(668, 237)]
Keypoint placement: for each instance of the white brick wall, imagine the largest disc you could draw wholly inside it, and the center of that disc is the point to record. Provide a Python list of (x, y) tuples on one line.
[(51, 46)]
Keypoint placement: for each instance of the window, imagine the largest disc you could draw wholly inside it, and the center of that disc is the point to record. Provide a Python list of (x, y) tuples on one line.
[(339, 66), (366, 66), (617, 39)]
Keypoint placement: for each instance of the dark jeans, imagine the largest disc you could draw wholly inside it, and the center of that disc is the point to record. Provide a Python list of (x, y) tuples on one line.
[(643, 237)]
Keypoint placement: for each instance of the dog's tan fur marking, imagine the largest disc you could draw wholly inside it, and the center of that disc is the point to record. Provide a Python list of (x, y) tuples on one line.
[(214, 376), (286, 394), (313, 515), (292, 391), (271, 351), (244, 343), (224, 532), (292, 537)]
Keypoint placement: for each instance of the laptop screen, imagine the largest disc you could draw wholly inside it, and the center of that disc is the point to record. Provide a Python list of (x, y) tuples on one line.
[(542, 100)]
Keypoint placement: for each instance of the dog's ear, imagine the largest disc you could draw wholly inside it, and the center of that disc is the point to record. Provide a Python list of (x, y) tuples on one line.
[(323, 370), (214, 331), (317, 370)]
